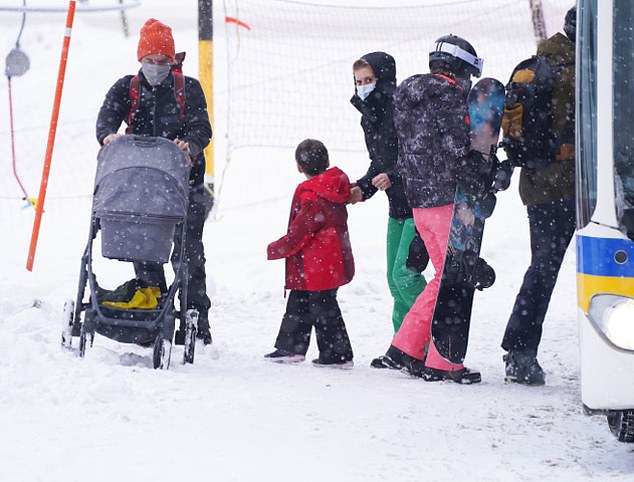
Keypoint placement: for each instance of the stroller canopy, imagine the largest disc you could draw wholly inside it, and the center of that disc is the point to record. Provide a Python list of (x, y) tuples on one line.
[(141, 194), (141, 176)]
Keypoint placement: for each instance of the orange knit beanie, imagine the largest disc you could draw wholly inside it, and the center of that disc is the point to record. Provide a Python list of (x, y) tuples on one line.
[(155, 38)]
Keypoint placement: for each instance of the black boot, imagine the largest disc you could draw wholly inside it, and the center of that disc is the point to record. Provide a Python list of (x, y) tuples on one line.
[(203, 332), (396, 359), (523, 368), (464, 376)]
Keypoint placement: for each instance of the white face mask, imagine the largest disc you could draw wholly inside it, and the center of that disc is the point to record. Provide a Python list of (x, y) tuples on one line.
[(154, 73), (364, 90)]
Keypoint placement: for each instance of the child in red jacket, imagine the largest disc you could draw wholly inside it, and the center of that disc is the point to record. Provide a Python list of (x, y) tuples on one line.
[(318, 261)]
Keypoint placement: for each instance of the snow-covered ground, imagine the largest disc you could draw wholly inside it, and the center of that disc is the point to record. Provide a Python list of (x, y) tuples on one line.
[(231, 415)]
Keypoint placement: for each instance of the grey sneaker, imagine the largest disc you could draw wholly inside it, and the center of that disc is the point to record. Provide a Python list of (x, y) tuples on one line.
[(523, 368), (334, 364), (281, 356)]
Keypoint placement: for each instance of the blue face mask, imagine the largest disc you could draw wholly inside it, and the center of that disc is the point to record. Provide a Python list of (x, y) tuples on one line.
[(154, 73), (364, 90)]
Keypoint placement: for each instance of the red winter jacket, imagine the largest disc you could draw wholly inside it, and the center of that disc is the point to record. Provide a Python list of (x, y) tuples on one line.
[(317, 244)]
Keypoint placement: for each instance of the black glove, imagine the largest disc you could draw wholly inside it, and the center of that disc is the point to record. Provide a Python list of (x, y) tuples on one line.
[(418, 257), (475, 175), (467, 268), (502, 179)]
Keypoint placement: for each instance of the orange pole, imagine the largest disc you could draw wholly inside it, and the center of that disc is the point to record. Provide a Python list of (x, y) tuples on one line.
[(39, 208)]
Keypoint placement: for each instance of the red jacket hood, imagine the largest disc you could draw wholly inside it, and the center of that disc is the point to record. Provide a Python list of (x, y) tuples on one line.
[(332, 185)]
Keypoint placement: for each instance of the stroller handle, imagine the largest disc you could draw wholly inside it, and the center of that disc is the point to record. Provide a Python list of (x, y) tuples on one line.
[(145, 141)]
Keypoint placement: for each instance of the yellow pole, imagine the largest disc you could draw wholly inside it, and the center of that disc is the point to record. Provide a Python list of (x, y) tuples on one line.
[(205, 74)]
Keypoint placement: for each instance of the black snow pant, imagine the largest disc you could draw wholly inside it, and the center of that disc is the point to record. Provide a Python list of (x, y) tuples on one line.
[(198, 209), (320, 309), (551, 228)]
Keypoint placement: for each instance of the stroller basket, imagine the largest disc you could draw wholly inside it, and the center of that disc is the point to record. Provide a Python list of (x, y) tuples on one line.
[(128, 317), (126, 326), (141, 194)]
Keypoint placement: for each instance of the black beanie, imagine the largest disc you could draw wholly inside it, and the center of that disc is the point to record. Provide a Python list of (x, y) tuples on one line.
[(570, 24)]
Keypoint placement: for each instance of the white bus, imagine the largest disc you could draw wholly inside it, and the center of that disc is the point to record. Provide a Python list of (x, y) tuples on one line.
[(605, 210)]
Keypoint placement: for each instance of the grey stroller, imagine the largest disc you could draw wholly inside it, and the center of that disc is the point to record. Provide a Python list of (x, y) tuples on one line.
[(140, 202)]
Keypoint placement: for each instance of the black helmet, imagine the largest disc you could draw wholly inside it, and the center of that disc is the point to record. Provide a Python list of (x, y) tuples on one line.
[(570, 23), (456, 55)]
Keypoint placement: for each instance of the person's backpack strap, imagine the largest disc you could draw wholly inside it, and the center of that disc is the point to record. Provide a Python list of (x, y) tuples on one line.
[(179, 58), (179, 95), (179, 82), (179, 92), (134, 102)]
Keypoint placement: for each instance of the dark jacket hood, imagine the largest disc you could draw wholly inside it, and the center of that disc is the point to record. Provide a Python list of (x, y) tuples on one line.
[(332, 185), (384, 68)]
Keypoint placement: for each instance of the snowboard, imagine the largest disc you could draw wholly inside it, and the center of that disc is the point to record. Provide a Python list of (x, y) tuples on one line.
[(464, 271)]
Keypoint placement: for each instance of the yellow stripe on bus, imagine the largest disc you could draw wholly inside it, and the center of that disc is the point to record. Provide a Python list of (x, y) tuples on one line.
[(589, 285)]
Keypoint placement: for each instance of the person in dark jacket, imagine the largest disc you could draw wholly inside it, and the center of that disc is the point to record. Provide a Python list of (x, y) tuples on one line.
[(375, 81), (432, 124), (318, 261), (160, 111), (548, 194)]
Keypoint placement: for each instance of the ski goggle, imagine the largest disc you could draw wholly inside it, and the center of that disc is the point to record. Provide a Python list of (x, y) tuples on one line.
[(460, 53)]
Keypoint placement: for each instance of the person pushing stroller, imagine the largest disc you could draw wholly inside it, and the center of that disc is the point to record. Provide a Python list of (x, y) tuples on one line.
[(161, 102)]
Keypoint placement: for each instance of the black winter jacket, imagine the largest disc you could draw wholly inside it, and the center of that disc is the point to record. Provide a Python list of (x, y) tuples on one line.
[(380, 136), (157, 115), (432, 123)]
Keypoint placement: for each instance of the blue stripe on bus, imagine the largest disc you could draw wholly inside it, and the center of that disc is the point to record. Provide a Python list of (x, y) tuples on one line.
[(605, 256)]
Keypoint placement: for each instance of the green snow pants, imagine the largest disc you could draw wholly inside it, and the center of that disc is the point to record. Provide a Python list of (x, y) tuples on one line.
[(405, 285)]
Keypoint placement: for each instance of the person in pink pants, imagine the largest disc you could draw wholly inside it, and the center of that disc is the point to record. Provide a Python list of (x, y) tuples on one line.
[(433, 224), (432, 123)]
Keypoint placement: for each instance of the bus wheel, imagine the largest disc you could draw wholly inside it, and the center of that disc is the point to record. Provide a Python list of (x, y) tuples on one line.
[(622, 425)]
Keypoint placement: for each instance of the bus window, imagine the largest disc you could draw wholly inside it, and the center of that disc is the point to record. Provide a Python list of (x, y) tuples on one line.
[(587, 112), (623, 68)]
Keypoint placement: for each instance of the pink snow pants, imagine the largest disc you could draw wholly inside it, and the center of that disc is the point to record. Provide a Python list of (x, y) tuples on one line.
[(433, 224)]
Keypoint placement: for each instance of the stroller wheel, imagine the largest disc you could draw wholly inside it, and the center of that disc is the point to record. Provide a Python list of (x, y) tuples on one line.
[(68, 315), (162, 352), (85, 337), (189, 345), (82, 344)]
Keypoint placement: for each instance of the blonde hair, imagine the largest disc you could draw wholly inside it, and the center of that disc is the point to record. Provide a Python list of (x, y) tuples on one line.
[(359, 64)]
